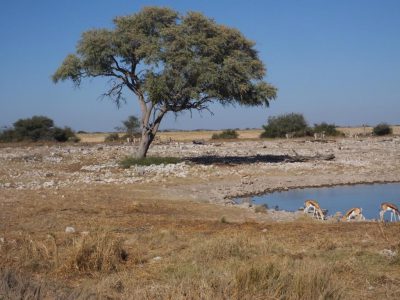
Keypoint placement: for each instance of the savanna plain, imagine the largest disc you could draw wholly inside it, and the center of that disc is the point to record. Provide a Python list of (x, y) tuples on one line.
[(75, 224)]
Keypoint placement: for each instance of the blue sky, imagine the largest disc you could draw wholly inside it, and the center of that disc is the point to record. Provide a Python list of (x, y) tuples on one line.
[(335, 61)]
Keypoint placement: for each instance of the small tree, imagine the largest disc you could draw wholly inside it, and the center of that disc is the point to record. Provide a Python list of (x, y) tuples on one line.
[(382, 129), (172, 63), (328, 129), (131, 126), (279, 126)]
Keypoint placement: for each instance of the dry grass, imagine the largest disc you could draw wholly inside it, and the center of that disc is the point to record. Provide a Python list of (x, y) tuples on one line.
[(142, 247)]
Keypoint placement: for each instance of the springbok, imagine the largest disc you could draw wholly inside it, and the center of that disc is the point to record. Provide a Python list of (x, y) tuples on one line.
[(394, 211), (354, 213), (318, 213)]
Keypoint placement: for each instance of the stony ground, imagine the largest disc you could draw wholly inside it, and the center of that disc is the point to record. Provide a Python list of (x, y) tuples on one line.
[(214, 172)]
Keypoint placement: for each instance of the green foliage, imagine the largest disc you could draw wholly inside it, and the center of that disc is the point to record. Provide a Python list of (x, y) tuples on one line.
[(226, 134), (7, 136), (64, 135), (112, 137), (131, 127), (129, 161), (279, 126), (172, 63), (382, 129), (37, 128), (328, 129)]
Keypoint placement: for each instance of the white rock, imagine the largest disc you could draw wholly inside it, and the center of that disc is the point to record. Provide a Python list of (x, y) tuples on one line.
[(69, 229), (48, 184), (157, 258), (388, 253)]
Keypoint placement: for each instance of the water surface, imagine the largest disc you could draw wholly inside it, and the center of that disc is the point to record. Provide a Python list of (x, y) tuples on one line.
[(340, 198)]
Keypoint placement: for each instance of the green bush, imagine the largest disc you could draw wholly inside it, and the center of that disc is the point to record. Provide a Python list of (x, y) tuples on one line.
[(37, 128), (131, 127), (382, 129), (7, 136), (64, 135), (328, 129), (112, 137), (226, 134), (279, 126), (129, 161)]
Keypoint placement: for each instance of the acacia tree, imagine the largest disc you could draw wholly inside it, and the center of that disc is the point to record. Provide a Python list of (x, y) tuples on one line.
[(131, 126), (172, 63)]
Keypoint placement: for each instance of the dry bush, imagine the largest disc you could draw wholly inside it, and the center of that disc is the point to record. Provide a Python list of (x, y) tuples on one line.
[(98, 252), (28, 254), (288, 279), (236, 246)]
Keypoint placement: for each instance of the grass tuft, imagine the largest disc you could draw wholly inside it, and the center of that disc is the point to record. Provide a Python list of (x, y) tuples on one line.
[(96, 253)]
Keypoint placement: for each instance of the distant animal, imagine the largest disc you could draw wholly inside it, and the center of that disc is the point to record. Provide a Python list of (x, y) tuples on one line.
[(394, 211), (354, 213), (317, 211)]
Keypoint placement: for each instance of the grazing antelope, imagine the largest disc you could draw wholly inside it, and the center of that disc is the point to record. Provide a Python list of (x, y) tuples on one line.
[(394, 211), (316, 208), (353, 213)]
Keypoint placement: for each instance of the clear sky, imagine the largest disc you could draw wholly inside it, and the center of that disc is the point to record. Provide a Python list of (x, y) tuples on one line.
[(335, 61)]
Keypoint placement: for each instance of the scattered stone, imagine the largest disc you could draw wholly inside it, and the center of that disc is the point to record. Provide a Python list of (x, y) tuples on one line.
[(69, 229), (388, 253), (157, 258), (48, 184)]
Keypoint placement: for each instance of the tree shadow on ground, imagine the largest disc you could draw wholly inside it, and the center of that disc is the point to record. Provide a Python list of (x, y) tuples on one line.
[(241, 160)]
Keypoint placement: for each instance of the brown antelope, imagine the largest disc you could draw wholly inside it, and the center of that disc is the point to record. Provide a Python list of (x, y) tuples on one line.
[(394, 211), (318, 213), (353, 213)]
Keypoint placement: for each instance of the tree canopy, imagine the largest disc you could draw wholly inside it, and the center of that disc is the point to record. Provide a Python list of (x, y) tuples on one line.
[(172, 63)]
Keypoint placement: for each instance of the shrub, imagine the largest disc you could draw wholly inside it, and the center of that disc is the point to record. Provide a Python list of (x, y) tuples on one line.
[(100, 252), (279, 126), (7, 135), (328, 129), (63, 135), (127, 162), (226, 134), (37, 128), (382, 129), (112, 137), (131, 127), (34, 129)]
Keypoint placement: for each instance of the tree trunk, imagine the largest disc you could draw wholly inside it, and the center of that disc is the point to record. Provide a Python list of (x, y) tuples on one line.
[(147, 138)]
